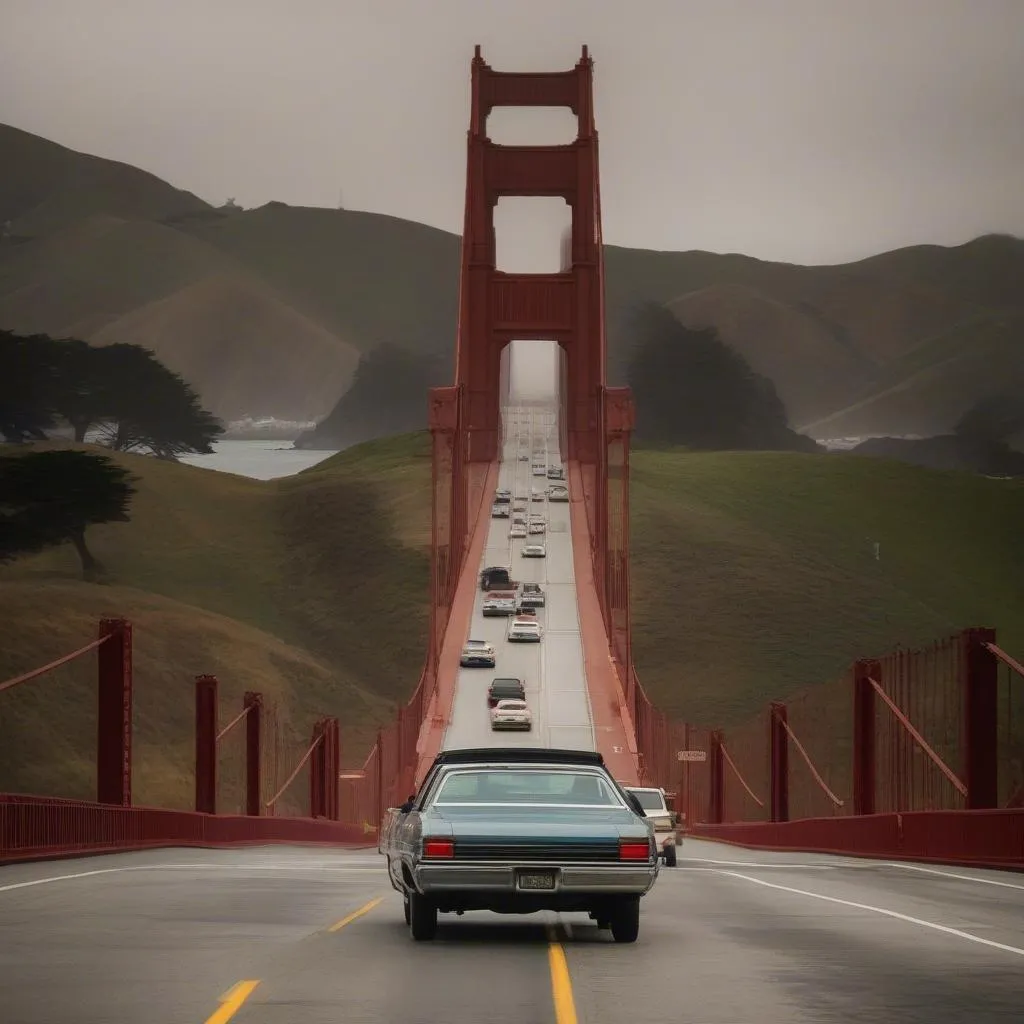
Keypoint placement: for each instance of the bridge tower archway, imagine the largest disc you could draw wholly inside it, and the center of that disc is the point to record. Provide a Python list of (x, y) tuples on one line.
[(567, 307)]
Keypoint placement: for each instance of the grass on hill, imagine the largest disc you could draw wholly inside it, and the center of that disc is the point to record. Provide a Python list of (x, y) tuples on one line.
[(753, 577), (313, 587), (754, 574)]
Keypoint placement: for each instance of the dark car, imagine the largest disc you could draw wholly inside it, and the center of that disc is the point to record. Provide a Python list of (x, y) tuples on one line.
[(505, 689), (516, 831), (496, 577)]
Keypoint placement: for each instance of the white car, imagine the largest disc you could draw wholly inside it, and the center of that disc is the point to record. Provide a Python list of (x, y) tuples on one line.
[(540, 471), (500, 603), (666, 832), (558, 493), (511, 714), (499, 512), (534, 551), (517, 531), (524, 631), (477, 654), (535, 527)]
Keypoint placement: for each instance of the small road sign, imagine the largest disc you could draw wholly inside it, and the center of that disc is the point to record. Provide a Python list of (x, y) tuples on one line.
[(691, 755)]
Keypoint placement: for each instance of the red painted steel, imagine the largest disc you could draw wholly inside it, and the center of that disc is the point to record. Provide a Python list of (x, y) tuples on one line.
[(778, 754), (35, 828), (114, 718), (206, 744), (496, 308), (253, 706), (987, 838)]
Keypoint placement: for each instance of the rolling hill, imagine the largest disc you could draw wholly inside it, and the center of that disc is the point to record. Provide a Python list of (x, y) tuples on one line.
[(897, 342), (313, 590)]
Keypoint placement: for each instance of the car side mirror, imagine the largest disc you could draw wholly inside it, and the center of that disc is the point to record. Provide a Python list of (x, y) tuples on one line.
[(407, 806)]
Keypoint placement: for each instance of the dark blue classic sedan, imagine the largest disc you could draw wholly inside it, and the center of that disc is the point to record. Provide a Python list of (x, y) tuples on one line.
[(516, 831)]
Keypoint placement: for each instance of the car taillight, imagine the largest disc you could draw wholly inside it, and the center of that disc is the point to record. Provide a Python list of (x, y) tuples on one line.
[(438, 848), (634, 850)]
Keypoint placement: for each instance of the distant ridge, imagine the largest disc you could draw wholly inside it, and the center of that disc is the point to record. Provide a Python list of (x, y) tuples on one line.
[(901, 342)]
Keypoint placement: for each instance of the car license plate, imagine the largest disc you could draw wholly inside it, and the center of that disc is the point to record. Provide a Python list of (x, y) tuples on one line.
[(537, 880)]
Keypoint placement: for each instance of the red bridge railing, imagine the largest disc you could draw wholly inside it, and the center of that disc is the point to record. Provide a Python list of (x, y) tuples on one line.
[(234, 767), (916, 753)]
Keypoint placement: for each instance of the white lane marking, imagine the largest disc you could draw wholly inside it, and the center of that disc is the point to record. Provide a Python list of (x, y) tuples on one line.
[(952, 874), (946, 929), (685, 862), (187, 867)]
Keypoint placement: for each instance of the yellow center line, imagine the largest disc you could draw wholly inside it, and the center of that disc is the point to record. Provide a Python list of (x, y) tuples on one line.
[(561, 985), (364, 909), (231, 1002)]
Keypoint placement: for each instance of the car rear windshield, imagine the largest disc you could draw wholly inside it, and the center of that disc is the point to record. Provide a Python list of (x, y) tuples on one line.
[(527, 788), (512, 690), (650, 799)]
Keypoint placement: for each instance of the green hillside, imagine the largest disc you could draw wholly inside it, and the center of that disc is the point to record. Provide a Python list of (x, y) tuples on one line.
[(312, 588), (754, 575)]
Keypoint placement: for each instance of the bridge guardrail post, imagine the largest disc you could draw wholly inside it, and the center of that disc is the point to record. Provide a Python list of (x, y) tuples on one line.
[(253, 702), (206, 744), (778, 750), (981, 719), (716, 798), (332, 810), (864, 783), (114, 714)]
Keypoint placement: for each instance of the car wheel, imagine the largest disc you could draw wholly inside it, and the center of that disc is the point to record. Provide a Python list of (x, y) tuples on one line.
[(625, 919), (405, 908), (422, 917), (670, 856)]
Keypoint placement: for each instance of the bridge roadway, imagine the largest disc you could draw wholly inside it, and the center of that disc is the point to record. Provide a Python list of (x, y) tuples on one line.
[(556, 687), (729, 936), (298, 936)]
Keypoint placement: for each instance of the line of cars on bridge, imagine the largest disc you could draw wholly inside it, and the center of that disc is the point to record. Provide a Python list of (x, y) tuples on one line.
[(524, 829), (518, 602)]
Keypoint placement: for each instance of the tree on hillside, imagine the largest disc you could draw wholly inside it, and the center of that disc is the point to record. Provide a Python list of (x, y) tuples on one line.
[(27, 384), (50, 498), (151, 407), (141, 403), (692, 389), (992, 420)]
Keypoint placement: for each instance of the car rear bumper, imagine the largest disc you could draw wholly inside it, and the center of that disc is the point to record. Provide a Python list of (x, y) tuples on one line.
[(526, 726), (502, 878)]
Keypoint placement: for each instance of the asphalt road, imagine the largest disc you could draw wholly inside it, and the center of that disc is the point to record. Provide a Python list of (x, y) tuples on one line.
[(729, 936), (552, 670)]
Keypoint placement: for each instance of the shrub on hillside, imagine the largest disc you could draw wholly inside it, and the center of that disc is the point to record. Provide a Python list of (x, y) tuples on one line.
[(388, 396), (692, 389)]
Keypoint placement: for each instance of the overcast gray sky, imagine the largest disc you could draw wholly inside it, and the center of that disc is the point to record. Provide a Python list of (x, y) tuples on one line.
[(805, 130)]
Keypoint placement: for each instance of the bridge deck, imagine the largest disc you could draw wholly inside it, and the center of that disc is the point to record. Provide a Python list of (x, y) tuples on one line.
[(553, 670)]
